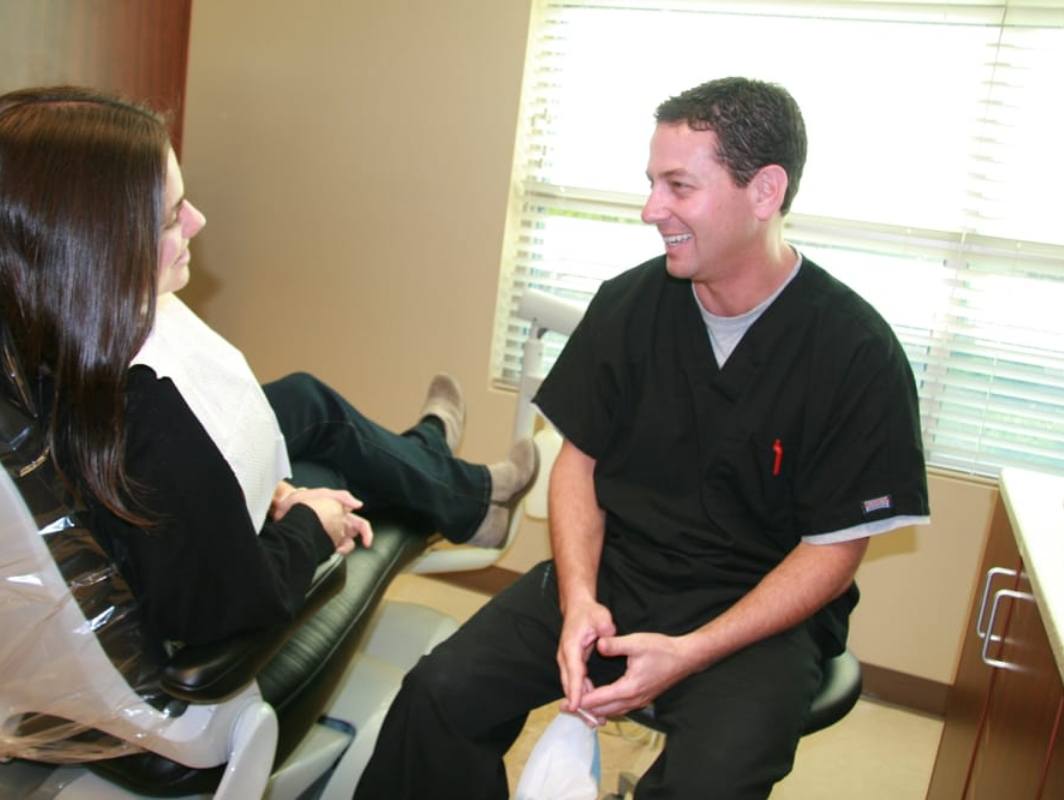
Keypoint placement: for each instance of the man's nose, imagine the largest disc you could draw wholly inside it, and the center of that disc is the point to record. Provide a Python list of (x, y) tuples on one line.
[(653, 209)]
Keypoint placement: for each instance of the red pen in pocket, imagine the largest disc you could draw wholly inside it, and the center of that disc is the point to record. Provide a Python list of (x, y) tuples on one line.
[(777, 463)]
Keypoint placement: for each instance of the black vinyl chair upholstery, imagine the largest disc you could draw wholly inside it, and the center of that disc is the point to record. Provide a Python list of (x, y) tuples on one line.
[(840, 688)]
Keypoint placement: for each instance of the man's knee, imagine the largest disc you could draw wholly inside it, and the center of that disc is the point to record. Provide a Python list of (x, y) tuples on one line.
[(720, 763), (736, 726), (436, 676)]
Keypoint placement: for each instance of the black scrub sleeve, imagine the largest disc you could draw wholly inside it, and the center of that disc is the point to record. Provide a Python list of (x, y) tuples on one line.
[(581, 394), (201, 573), (863, 459)]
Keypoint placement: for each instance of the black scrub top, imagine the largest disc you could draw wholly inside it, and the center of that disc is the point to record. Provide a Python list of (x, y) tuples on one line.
[(710, 476)]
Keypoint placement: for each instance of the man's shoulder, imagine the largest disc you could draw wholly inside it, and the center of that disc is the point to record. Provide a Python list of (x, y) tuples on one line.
[(650, 272), (838, 306), (641, 289)]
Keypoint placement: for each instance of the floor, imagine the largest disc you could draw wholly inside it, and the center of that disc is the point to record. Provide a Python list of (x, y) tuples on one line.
[(876, 753)]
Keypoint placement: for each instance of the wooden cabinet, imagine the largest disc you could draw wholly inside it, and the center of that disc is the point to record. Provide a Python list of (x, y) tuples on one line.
[(1001, 737), (971, 688), (1017, 735)]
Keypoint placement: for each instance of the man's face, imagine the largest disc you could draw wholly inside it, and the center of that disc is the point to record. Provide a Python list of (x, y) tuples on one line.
[(705, 220)]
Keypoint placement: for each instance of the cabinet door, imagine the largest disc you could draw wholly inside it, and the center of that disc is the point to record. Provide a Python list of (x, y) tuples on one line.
[(1021, 715), (971, 689)]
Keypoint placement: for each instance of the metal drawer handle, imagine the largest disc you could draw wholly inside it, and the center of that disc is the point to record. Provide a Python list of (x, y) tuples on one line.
[(998, 663), (990, 573)]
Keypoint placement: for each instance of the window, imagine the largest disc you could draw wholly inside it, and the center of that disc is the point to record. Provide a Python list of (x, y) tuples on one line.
[(931, 184)]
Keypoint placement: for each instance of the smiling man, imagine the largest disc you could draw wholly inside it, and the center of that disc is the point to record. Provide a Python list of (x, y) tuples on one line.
[(737, 423)]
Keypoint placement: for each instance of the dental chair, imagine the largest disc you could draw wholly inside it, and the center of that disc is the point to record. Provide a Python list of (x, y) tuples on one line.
[(272, 712), (291, 712), (286, 713)]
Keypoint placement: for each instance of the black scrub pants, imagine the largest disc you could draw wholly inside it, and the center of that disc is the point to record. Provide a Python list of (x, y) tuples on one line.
[(414, 471), (732, 729)]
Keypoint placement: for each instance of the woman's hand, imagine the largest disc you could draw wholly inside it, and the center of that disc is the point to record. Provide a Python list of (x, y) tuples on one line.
[(334, 508)]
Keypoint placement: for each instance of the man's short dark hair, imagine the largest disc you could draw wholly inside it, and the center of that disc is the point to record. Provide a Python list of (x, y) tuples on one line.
[(756, 124)]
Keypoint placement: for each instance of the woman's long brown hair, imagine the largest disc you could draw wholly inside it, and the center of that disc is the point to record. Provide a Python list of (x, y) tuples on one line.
[(82, 179)]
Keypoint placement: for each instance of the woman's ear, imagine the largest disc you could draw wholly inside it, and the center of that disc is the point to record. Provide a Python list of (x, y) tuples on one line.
[(767, 188)]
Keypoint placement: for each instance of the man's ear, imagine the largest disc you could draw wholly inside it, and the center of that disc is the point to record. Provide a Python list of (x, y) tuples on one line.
[(767, 189)]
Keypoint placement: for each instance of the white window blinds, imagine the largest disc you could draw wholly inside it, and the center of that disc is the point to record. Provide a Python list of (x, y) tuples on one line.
[(932, 184)]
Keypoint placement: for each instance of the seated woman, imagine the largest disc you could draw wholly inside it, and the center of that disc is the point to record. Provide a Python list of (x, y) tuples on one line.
[(158, 423)]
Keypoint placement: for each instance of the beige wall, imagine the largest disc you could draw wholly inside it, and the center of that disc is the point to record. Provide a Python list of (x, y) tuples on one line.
[(353, 159), (916, 584)]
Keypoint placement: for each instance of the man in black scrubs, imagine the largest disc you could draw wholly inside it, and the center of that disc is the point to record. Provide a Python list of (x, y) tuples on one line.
[(737, 423)]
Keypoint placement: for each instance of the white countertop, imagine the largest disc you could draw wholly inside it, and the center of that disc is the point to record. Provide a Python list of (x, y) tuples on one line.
[(1035, 502)]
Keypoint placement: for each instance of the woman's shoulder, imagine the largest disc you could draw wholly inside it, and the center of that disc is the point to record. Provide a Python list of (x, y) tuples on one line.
[(157, 419), (148, 396)]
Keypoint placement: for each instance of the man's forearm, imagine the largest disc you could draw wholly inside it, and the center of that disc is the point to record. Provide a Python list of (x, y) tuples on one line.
[(809, 578), (577, 525)]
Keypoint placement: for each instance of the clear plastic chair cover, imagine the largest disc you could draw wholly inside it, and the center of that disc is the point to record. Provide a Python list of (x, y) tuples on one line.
[(37, 692)]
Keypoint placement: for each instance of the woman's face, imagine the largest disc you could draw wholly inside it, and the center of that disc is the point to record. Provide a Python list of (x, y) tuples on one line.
[(181, 221)]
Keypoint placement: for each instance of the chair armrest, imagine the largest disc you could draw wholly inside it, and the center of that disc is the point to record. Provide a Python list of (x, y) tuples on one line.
[(210, 673)]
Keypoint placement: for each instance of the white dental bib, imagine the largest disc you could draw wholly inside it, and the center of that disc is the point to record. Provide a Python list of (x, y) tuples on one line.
[(219, 387)]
